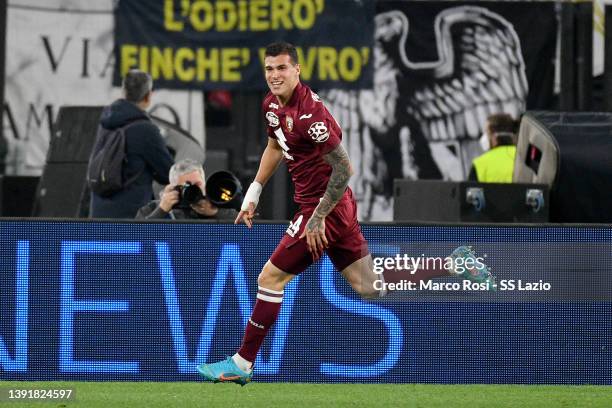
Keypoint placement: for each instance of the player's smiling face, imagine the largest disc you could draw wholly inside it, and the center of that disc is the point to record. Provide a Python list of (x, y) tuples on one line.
[(282, 76)]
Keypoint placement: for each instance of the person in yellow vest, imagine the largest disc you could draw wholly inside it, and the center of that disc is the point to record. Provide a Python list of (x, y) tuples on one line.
[(497, 164)]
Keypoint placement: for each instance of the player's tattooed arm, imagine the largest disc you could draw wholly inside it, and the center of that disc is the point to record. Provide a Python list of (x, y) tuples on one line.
[(315, 227), (341, 173)]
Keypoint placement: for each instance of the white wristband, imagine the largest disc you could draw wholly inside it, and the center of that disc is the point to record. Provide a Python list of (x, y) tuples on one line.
[(251, 196)]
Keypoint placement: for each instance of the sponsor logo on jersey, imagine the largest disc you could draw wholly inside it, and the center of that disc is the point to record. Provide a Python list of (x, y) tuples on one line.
[(315, 97), (282, 141), (272, 119), (306, 116), (318, 132), (289, 123), (273, 105)]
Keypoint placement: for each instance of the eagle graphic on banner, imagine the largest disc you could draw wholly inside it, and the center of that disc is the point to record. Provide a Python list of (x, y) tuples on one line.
[(422, 120)]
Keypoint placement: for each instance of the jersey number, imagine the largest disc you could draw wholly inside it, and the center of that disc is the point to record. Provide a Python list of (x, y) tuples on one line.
[(294, 227), (282, 141)]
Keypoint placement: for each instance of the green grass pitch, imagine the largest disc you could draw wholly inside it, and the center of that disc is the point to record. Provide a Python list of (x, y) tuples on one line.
[(188, 394)]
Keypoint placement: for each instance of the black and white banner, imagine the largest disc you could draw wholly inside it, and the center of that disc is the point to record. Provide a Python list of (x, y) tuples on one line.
[(440, 68), (60, 52)]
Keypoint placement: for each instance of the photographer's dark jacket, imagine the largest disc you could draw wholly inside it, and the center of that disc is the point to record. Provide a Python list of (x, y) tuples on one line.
[(146, 154), (152, 211)]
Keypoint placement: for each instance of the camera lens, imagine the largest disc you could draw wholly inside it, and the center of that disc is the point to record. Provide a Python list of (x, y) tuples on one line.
[(191, 194), (188, 194)]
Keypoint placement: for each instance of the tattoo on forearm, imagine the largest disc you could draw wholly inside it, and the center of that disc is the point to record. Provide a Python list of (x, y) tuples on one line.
[(341, 173)]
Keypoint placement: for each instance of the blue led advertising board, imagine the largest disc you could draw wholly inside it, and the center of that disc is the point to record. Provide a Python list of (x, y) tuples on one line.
[(150, 301)]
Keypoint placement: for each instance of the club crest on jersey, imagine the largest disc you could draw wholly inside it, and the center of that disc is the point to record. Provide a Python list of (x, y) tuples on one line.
[(289, 123), (272, 119), (318, 132), (315, 97)]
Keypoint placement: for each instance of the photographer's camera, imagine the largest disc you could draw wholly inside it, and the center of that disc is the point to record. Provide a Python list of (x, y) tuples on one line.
[(188, 194)]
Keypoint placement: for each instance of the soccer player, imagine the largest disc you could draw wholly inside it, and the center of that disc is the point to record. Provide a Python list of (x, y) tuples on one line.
[(302, 131)]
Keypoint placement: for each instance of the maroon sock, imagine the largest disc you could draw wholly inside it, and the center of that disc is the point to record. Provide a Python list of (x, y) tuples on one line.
[(264, 315)]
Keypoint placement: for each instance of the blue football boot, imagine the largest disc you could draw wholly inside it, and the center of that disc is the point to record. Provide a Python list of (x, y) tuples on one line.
[(224, 371), (478, 271)]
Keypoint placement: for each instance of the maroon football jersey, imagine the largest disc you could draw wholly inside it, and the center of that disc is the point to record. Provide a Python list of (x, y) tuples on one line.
[(306, 131)]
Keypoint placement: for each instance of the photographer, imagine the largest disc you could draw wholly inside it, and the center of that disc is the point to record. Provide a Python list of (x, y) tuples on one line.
[(184, 197)]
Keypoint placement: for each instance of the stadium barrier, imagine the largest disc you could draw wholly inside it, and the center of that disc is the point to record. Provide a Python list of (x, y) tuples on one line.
[(86, 300)]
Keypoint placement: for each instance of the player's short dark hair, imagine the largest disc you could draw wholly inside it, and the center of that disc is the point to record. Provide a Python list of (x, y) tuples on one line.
[(136, 85), (281, 47)]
